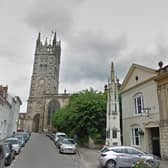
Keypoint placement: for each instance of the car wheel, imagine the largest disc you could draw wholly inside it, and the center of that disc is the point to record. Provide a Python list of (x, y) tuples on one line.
[(150, 163), (111, 164), (8, 161)]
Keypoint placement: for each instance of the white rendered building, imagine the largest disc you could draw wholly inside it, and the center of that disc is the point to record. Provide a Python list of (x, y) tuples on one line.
[(9, 111), (113, 133)]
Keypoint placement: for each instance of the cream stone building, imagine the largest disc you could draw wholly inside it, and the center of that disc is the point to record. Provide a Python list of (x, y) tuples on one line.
[(162, 81), (140, 109)]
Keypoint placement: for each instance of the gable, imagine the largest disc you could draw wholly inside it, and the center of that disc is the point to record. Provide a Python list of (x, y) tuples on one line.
[(136, 75)]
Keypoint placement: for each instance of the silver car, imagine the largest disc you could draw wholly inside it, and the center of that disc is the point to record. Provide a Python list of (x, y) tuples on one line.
[(68, 146), (16, 146), (21, 139), (125, 156)]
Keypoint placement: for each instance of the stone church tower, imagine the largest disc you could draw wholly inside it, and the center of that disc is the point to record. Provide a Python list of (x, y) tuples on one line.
[(113, 136), (44, 99)]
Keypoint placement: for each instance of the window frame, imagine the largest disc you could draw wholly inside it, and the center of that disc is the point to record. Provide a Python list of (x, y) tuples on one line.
[(114, 133), (136, 137), (138, 103)]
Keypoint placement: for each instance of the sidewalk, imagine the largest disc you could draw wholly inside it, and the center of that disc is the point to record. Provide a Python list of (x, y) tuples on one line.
[(90, 158), (163, 164)]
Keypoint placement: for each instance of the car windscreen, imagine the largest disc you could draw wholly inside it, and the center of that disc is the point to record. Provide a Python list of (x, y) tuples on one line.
[(61, 137), (104, 149), (12, 141), (68, 142)]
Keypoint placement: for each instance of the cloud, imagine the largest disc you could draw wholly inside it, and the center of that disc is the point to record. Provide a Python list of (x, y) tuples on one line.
[(52, 14), (89, 55), (88, 42), (148, 56)]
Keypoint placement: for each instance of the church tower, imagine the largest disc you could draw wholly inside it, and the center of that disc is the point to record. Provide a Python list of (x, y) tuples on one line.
[(45, 78), (113, 136), (44, 82)]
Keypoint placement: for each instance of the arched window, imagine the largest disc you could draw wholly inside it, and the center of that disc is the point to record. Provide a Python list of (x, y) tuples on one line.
[(114, 133), (53, 106)]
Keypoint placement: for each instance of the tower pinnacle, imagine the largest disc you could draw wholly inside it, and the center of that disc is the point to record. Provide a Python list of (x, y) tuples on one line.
[(38, 42), (54, 39), (46, 42), (112, 72)]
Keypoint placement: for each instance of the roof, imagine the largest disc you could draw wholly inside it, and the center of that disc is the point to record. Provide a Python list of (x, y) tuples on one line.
[(131, 70)]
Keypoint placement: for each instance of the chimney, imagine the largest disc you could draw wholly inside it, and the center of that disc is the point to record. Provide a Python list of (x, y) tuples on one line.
[(3, 91)]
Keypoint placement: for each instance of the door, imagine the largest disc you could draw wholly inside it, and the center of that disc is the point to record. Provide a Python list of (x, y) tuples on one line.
[(155, 141), (36, 121)]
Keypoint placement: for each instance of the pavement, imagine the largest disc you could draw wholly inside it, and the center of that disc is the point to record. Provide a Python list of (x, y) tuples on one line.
[(90, 158), (163, 164)]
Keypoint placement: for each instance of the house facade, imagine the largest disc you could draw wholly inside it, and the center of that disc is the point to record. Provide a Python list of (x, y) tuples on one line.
[(140, 109), (9, 111)]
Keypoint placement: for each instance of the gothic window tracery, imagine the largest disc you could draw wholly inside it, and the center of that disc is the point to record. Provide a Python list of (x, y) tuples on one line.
[(43, 68), (52, 108)]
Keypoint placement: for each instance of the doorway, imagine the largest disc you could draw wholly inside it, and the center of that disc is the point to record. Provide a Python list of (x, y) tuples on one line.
[(36, 121), (53, 106), (155, 138)]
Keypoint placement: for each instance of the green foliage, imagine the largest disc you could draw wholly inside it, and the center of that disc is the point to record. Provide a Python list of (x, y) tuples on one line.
[(85, 115), (142, 164)]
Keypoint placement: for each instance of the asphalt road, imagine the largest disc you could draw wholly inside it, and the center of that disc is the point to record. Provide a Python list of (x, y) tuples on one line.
[(40, 152)]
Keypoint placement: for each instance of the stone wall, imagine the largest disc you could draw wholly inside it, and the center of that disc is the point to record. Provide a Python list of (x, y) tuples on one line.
[(163, 142)]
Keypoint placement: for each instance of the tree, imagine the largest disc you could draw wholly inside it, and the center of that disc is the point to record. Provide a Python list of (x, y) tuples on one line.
[(85, 116)]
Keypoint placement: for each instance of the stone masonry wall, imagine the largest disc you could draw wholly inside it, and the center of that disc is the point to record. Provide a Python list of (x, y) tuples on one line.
[(163, 142)]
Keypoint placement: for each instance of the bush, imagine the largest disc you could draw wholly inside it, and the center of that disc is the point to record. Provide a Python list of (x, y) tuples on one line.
[(99, 141), (142, 164)]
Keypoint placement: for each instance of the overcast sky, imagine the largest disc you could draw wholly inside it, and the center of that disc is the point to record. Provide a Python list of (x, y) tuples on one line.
[(93, 33)]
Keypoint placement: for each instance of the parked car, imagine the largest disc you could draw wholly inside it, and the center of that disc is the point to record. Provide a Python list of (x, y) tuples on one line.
[(21, 139), (15, 144), (2, 156), (59, 134), (52, 136), (125, 156), (26, 135), (59, 141), (68, 146), (9, 154), (11, 150)]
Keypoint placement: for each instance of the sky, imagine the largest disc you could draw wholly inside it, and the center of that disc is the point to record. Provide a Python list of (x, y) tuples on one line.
[(93, 33)]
